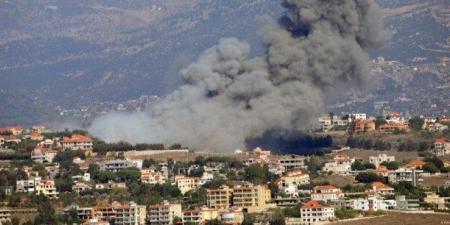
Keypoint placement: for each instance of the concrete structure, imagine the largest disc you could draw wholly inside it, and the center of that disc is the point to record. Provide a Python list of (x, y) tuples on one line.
[(27, 185), (377, 160), (370, 204), (251, 198), (116, 165), (326, 193), (232, 216), (219, 198), (381, 189), (199, 215), (290, 162), (406, 204), (186, 184), (434, 198), (363, 126), (315, 212), (122, 214), (164, 213), (405, 174), (5, 215)]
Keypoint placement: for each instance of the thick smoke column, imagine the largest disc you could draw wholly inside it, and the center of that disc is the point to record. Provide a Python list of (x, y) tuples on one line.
[(229, 98)]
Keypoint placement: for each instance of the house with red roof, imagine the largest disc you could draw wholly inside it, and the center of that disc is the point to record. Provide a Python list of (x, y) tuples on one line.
[(441, 147), (381, 189), (316, 212), (326, 193), (77, 142)]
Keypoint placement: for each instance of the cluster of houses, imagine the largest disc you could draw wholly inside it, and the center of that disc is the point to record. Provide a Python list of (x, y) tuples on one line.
[(229, 202)]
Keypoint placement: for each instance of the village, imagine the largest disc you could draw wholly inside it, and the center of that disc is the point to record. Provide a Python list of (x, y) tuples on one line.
[(74, 178)]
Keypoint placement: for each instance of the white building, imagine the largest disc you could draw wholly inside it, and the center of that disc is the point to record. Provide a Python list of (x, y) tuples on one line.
[(441, 147), (377, 160), (27, 185), (341, 164), (186, 184), (291, 180), (405, 174), (326, 193), (77, 142), (315, 212), (371, 204)]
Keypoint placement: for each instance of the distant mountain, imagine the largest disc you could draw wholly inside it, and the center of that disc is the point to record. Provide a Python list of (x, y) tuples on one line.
[(65, 53)]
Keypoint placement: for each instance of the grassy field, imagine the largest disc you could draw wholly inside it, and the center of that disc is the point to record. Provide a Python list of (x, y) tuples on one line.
[(402, 219), (435, 180), (335, 180)]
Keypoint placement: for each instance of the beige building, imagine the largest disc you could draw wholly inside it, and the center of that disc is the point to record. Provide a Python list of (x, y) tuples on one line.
[(441, 147), (122, 214), (377, 160), (200, 215), (47, 188), (164, 213), (151, 176), (251, 198), (219, 198), (186, 184), (5, 215)]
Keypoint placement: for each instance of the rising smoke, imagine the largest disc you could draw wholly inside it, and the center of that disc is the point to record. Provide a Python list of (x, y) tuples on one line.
[(229, 98)]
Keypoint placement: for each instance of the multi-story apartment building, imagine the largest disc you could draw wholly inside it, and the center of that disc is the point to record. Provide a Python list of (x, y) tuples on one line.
[(381, 189), (77, 142), (377, 160), (231, 216), (291, 180), (219, 198), (251, 198), (27, 185), (151, 176), (363, 126), (315, 212), (5, 216), (199, 216), (290, 162), (370, 204), (47, 188), (83, 213), (116, 165), (186, 184), (164, 213), (405, 174), (326, 193), (130, 214)]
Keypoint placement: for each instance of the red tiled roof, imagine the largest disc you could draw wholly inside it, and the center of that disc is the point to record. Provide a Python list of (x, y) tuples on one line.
[(313, 204), (442, 140), (76, 138)]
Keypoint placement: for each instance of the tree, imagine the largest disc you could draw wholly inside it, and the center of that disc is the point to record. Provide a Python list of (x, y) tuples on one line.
[(129, 175), (257, 174), (46, 214), (380, 121), (148, 163), (345, 213), (357, 165), (291, 211), (393, 165), (314, 166), (416, 123), (368, 177), (430, 167)]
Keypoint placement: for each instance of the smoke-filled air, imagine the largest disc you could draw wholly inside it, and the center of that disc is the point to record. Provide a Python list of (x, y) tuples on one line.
[(229, 98)]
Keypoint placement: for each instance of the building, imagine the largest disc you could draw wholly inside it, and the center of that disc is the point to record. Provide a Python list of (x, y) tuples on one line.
[(251, 198), (293, 221), (326, 193), (80, 186), (47, 188), (164, 213), (341, 163), (377, 160), (27, 185), (116, 165), (110, 185), (5, 216), (2, 141), (232, 216), (219, 198), (95, 222), (199, 215), (381, 189), (121, 214), (434, 198), (151, 176), (316, 212), (390, 127), (291, 162), (83, 213), (406, 204), (186, 184), (370, 204), (43, 155), (441, 147), (363, 126), (405, 174), (77, 142), (291, 180)]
